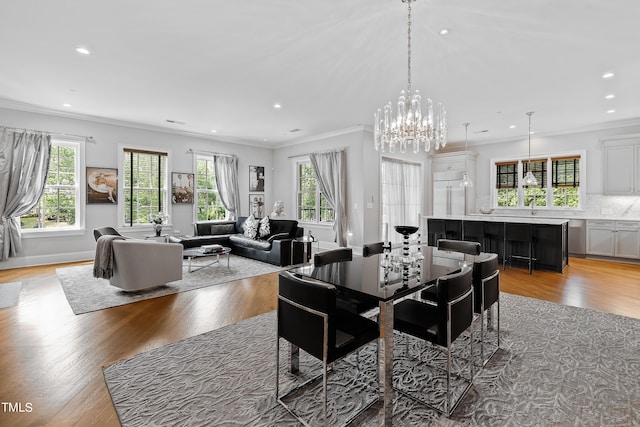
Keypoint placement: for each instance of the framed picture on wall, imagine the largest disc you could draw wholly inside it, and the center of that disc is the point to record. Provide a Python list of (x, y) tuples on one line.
[(181, 187), (102, 185), (256, 178), (256, 204)]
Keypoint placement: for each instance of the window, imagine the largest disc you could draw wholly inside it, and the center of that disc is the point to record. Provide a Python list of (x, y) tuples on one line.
[(566, 181), (145, 185), (401, 192), (558, 182), (59, 205), (536, 196), (507, 184), (311, 204), (208, 203)]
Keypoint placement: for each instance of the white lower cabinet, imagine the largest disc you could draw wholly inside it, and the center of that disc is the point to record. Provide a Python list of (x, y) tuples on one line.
[(613, 238)]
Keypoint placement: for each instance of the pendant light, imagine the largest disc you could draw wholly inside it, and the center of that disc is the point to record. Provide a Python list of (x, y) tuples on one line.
[(529, 178), (466, 181)]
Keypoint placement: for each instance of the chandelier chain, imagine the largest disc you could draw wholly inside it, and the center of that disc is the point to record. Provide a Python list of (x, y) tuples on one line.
[(409, 49)]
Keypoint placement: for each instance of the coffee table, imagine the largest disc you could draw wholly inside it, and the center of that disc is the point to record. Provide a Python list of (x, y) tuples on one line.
[(192, 253)]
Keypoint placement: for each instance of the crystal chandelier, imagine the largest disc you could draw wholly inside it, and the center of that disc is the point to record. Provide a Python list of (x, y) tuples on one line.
[(413, 124), (466, 181), (529, 178)]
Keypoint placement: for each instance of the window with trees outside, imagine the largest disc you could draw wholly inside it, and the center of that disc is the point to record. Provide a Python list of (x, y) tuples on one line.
[(566, 181), (558, 183), (536, 196), (311, 204), (507, 184), (208, 203), (145, 185), (59, 205)]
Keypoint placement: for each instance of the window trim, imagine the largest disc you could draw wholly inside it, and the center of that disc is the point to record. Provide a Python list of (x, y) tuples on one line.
[(79, 229), (122, 148), (582, 192)]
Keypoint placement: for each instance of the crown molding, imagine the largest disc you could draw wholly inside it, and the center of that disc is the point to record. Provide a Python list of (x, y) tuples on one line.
[(31, 108)]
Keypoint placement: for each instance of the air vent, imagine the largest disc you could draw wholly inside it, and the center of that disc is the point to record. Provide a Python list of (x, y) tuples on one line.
[(177, 122), (482, 131), (295, 130)]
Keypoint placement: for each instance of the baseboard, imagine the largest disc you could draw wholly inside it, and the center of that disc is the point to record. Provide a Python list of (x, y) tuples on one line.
[(614, 259), (35, 260)]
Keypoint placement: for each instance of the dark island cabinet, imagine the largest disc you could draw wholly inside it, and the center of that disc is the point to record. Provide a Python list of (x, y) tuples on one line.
[(550, 240)]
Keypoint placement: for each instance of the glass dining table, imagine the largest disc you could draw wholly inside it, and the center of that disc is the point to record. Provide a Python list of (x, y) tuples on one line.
[(383, 278)]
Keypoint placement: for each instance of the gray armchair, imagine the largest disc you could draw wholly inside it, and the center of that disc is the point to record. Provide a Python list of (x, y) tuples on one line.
[(142, 264)]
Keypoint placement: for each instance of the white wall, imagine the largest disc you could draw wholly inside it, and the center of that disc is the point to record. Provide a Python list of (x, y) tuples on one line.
[(104, 153), (590, 141), (363, 182)]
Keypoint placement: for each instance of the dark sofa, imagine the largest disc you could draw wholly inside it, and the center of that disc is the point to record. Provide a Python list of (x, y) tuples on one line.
[(275, 248)]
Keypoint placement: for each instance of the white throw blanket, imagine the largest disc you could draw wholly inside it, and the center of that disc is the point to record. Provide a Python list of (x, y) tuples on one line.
[(103, 263)]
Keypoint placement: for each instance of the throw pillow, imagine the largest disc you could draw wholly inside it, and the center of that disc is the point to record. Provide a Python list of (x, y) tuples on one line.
[(265, 227), (250, 227)]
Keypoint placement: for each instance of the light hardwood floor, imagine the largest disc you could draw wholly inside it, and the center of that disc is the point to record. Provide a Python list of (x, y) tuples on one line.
[(53, 359)]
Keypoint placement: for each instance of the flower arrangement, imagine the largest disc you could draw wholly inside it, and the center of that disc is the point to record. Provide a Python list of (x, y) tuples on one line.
[(158, 218)]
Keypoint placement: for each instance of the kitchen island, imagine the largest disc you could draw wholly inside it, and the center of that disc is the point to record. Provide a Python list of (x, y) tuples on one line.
[(550, 236)]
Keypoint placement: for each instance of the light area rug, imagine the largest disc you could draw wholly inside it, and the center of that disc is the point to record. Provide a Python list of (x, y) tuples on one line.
[(9, 294), (557, 365), (86, 293)]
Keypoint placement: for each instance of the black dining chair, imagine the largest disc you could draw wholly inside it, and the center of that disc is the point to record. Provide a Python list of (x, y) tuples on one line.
[(448, 245), (441, 323), (471, 248), (370, 249), (332, 255), (486, 291), (309, 320)]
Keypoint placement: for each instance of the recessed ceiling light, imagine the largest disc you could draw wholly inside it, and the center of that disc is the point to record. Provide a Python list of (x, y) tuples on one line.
[(512, 127), (611, 111), (610, 96), (213, 130), (444, 32), (607, 75), (265, 140), (277, 106), (83, 51), (66, 105)]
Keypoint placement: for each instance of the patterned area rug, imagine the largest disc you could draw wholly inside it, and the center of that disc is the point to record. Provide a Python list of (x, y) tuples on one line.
[(557, 365), (86, 293), (9, 294)]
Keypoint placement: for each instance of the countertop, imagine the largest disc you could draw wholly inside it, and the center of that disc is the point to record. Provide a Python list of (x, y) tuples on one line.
[(510, 219)]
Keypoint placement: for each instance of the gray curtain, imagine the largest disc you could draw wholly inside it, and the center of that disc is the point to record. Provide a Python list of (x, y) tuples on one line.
[(330, 168), (24, 164), (227, 182)]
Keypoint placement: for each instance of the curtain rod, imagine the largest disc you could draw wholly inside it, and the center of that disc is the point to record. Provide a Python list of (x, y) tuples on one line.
[(319, 152), (211, 153), (86, 138)]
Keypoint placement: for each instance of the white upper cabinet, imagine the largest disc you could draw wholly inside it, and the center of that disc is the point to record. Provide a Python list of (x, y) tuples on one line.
[(622, 166)]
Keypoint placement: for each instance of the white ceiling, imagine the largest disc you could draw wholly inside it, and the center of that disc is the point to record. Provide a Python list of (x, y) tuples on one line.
[(330, 63)]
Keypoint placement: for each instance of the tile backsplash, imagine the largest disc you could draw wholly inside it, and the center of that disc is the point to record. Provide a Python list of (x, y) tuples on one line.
[(598, 206)]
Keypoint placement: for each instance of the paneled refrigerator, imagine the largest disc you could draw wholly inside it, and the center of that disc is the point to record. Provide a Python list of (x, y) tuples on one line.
[(448, 197)]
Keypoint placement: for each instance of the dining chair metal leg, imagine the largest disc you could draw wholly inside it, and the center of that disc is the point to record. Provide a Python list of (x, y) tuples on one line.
[(294, 358)]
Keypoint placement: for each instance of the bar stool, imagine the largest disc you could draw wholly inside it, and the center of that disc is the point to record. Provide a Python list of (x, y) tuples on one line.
[(518, 233), (436, 230), (473, 231)]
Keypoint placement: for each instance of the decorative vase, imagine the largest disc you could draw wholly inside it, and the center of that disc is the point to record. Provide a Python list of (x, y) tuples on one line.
[(406, 231), (158, 229)]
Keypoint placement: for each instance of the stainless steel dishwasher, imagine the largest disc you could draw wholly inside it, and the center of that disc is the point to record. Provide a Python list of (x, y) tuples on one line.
[(578, 237)]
